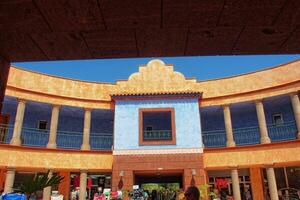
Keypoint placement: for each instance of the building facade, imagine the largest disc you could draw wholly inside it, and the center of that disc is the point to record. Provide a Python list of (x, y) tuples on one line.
[(156, 127)]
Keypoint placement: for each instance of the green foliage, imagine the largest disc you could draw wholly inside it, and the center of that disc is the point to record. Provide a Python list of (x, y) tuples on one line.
[(38, 183), (167, 193), (204, 192)]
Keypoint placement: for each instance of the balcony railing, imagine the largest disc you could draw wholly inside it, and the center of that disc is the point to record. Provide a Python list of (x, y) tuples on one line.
[(250, 135), (216, 138), (246, 136), (281, 132), (103, 141), (64, 139), (157, 135)]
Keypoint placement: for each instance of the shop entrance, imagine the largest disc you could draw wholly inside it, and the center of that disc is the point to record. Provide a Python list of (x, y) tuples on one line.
[(158, 184)]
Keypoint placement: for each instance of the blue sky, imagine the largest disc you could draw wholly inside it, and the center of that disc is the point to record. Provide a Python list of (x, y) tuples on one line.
[(200, 67)]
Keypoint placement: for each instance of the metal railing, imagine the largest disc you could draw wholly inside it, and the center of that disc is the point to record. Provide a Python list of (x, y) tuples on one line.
[(34, 137), (250, 135), (101, 141), (64, 139), (282, 132), (157, 135), (246, 136), (216, 138), (6, 132), (69, 139)]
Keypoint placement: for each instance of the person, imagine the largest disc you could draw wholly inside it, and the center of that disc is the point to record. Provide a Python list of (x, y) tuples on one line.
[(192, 193)]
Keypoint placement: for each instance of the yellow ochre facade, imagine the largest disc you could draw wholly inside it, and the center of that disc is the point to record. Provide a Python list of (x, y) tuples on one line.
[(152, 82)]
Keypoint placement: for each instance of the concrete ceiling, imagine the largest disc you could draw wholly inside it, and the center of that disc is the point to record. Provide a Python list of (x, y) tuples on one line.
[(33, 30)]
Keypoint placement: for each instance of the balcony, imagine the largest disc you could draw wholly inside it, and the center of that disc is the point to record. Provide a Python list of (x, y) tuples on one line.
[(64, 139), (157, 135), (250, 135)]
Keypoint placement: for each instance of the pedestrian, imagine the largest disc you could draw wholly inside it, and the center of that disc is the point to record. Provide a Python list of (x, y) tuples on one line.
[(192, 193)]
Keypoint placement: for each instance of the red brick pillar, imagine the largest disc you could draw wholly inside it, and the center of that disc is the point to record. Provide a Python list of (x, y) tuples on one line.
[(4, 70)]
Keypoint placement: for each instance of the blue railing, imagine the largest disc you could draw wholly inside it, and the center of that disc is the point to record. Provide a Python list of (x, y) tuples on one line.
[(216, 138), (6, 132), (282, 132), (64, 139), (34, 137), (246, 136), (101, 141), (250, 135), (157, 135), (69, 139)]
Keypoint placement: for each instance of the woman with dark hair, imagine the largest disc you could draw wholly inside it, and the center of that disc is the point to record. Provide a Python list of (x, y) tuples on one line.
[(192, 193)]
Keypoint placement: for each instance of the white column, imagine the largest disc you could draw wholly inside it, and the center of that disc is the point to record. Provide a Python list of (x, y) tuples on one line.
[(86, 129), (9, 180), (83, 184), (272, 183), (264, 137), (47, 190), (235, 184), (53, 127), (296, 108), (16, 138), (228, 126)]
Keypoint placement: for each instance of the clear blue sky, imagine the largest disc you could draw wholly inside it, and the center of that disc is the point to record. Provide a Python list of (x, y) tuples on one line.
[(200, 67)]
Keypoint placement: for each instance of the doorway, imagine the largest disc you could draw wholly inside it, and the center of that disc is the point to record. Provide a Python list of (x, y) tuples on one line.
[(159, 184)]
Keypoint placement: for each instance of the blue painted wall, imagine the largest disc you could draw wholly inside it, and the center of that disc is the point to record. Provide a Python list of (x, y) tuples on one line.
[(70, 118), (187, 123)]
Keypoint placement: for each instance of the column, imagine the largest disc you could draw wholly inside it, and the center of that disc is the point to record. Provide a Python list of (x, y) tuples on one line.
[(53, 127), (16, 139), (272, 184), (296, 108), (86, 129), (9, 180), (264, 137), (4, 66), (228, 126), (47, 190), (235, 184), (83, 184)]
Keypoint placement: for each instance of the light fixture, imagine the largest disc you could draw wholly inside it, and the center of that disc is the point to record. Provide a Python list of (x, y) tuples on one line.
[(194, 172), (121, 174)]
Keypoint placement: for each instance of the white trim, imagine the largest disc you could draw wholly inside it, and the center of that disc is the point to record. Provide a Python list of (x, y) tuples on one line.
[(156, 151)]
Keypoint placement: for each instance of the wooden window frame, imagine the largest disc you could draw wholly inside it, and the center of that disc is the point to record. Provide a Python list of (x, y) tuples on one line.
[(157, 142)]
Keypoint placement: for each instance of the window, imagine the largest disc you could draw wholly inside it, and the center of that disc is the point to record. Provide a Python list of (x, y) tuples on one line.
[(277, 119), (156, 126), (42, 125)]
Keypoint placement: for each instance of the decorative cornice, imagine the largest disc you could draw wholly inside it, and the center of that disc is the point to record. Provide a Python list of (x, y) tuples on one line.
[(156, 151)]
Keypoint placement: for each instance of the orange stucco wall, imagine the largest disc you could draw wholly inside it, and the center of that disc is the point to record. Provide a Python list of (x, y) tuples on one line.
[(256, 155), (154, 77), (41, 158)]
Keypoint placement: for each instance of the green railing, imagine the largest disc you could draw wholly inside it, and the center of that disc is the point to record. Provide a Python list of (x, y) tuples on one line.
[(215, 138), (157, 135)]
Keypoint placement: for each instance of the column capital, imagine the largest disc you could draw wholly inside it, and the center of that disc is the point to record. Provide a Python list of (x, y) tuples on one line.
[(21, 100), (226, 105), (258, 101), (83, 170), (56, 105), (10, 168), (291, 94), (233, 167), (87, 109)]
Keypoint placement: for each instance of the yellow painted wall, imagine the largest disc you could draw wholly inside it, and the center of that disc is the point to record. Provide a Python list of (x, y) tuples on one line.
[(154, 77), (24, 157)]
